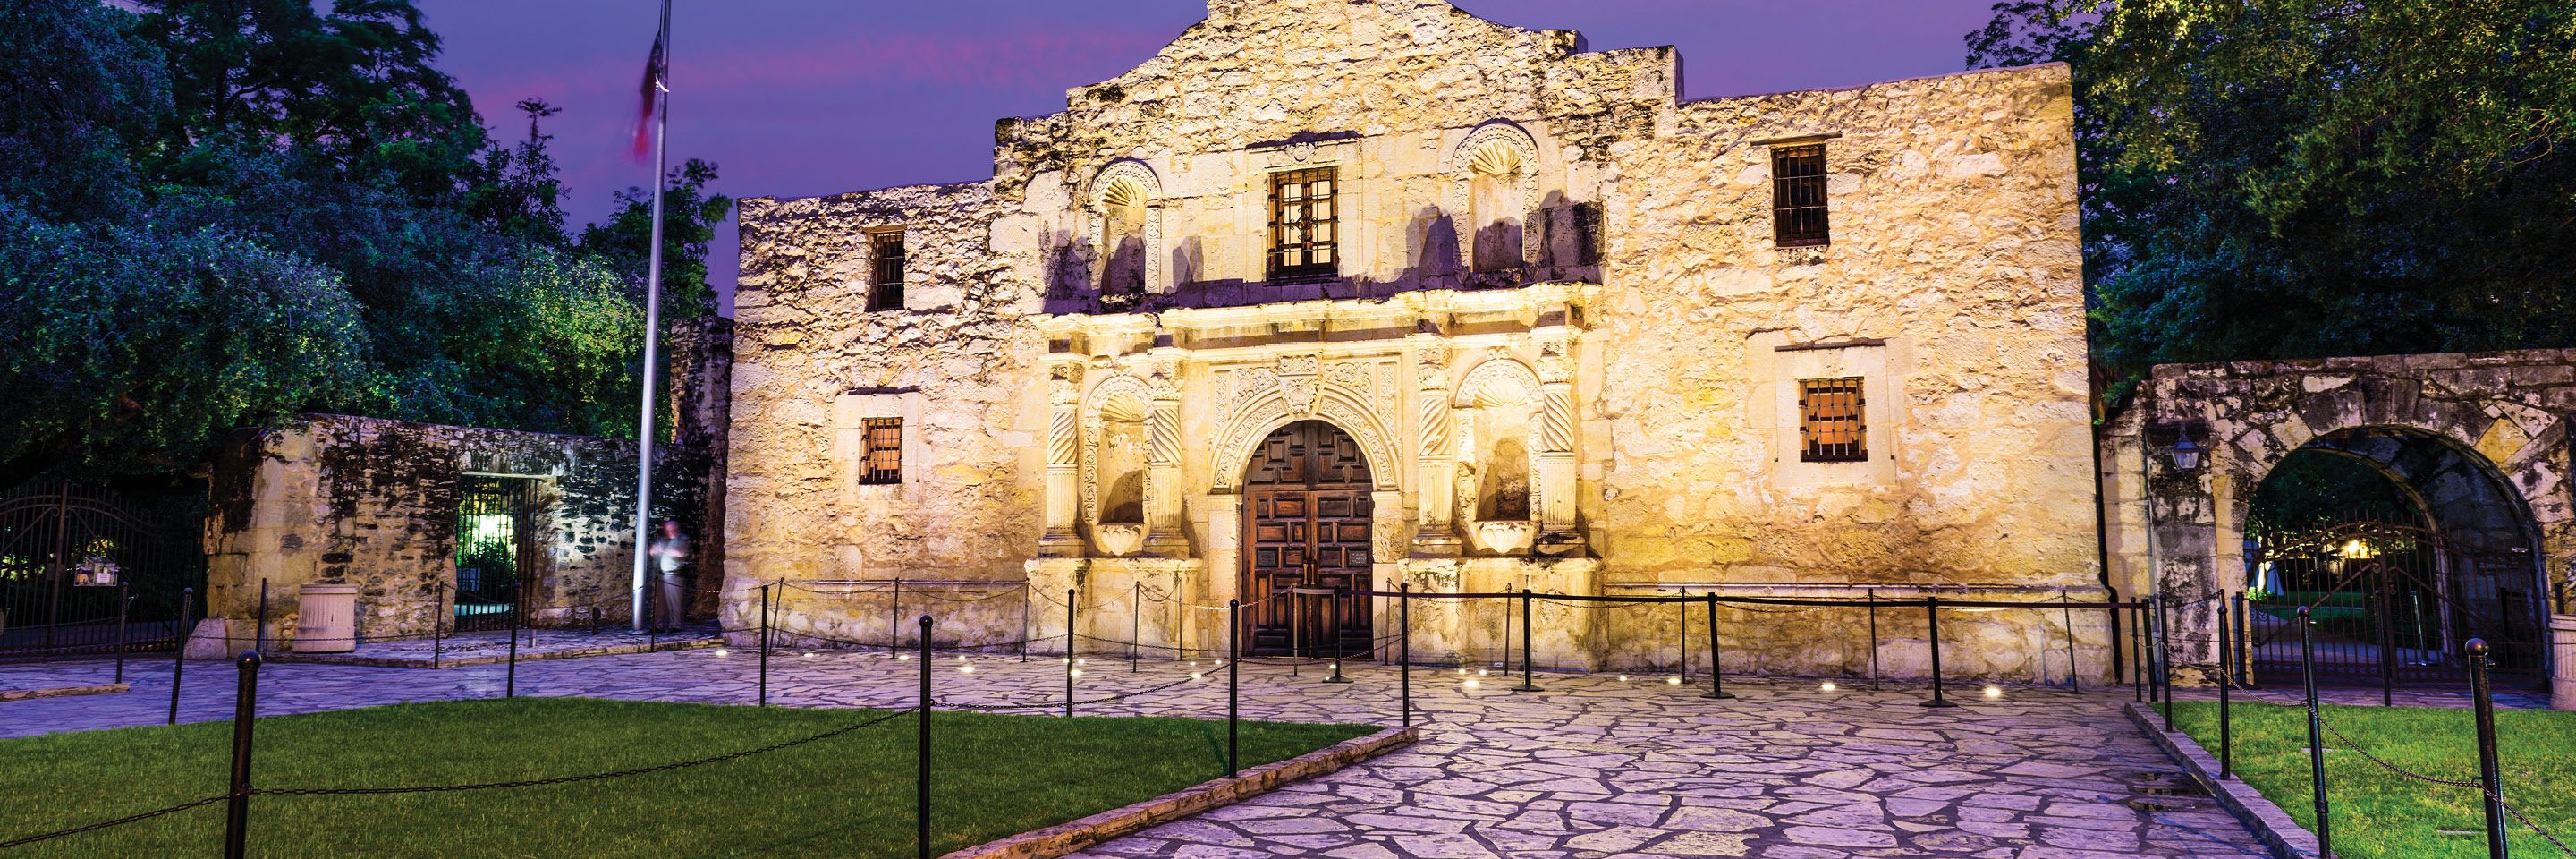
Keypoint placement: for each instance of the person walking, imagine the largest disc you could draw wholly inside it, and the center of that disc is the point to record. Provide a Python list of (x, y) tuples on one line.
[(670, 552)]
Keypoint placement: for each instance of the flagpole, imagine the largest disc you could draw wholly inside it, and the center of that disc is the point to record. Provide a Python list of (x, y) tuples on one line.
[(652, 329)]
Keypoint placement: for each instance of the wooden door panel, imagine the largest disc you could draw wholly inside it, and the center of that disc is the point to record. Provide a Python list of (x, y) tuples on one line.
[(1307, 505)]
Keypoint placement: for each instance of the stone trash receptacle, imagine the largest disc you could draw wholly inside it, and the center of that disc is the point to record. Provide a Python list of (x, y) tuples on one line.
[(2562, 662), (326, 619)]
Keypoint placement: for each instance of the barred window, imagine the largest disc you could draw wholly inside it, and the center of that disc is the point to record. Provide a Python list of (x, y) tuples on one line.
[(1830, 422), (882, 460), (1304, 236), (885, 270), (1798, 196)]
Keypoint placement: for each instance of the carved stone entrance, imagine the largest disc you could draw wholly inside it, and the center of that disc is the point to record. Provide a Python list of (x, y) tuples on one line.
[(1307, 511)]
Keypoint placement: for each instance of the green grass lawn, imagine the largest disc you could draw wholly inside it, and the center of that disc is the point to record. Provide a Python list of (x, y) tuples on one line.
[(2381, 814), (852, 795)]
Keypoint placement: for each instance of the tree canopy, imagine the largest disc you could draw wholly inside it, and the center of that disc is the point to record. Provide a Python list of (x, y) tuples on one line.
[(2300, 178), (214, 213)]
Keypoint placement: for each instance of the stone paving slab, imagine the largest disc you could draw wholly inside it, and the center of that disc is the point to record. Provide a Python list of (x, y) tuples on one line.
[(486, 648), (1588, 768), (14, 694)]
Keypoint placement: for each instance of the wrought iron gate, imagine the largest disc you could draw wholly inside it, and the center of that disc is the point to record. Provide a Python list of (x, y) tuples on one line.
[(495, 550), (70, 554), (2392, 604)]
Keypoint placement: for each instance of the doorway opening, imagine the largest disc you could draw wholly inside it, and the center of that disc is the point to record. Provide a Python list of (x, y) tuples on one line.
[(2403, 547), (1307, 509), (496, 550)]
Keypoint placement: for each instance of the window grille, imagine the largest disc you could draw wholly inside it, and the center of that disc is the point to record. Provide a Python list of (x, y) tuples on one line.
[(882, 461), (1830, 420), (1587, 233), (1304, 236), (885, 274), (1798, 196)]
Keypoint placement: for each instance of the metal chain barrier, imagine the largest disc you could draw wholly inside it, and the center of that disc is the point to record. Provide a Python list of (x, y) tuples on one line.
[(108, 824), (569, 779), (2471, 784), (1058, 703)]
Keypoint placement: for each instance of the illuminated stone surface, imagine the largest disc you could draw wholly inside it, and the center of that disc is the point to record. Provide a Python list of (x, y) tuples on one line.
[(1558, 302), (1589, 767)]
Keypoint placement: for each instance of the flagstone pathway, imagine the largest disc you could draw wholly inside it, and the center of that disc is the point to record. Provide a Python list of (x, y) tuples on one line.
[(1590, 767)]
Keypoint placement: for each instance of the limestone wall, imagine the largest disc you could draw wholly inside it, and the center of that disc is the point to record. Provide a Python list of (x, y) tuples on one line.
[(1536, 241)]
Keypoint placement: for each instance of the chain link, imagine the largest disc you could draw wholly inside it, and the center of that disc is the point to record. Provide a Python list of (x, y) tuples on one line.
[(2471, 784), (121, 821), (569, 779)]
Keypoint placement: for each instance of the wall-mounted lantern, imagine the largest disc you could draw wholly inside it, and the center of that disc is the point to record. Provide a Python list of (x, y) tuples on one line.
[(2186, 455)]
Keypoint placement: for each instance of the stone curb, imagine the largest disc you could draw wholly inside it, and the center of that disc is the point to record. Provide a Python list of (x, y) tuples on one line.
[(1070, 836), (2283, 835), (64, 691), (463, 661)]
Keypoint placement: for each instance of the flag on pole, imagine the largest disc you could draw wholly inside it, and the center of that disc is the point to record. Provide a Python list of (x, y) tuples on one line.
[(653, 69)]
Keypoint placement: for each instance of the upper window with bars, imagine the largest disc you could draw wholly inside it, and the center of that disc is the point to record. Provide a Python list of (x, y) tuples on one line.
[(1798, 196), (882, 460), (1305, 239), (1831, 427), (885, 270)]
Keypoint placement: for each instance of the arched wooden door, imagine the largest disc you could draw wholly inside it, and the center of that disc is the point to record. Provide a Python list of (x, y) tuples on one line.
[(1306, 525)]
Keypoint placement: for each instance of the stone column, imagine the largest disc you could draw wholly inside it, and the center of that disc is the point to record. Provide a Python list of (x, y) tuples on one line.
[(1553, 485), (1166, 535), (1064, 465), (1436, 467)]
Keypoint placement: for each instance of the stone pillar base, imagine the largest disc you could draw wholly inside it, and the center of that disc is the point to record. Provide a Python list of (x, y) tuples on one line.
[(2562, 662)]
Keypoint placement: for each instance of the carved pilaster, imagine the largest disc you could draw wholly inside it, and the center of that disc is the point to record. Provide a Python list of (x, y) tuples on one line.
[(1435, 462), (1164, 527), (1553, 485), (1064, 464)]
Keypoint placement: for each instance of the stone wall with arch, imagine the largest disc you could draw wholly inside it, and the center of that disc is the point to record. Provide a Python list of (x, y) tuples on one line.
[(2501, 417)]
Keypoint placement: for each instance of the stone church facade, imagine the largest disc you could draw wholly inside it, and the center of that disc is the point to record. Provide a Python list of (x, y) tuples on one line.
[(1381, 294)]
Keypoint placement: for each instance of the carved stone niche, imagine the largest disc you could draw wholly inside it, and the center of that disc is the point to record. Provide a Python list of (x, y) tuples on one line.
[(1116, 475), (1496, 424)]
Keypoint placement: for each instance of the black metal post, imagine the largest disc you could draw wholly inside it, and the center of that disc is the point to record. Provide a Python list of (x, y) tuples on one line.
[(2137, 650), (894, 625), (1069, 594), (2316, 734), (764, 645), (1135, 621), (2490, 764), (2226, 680), (1024, 622), (921, 794), (1404, 647), (245, 715), (2235, 634), (2066, 610), (2164, 657), (2388, 644), (1527, 684), (1716, 657), (510, 685), (179, 654), (1233, 684), (1932, 611), (259, 625), (1873, 639), (1340, 594), (1681, 618), (2111, 614), (122, 600), (652, 632), (438, 623), (1296, 631)]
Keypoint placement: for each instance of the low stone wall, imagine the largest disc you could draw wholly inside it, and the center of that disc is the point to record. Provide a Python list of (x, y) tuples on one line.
[(2562, 662), (372, 502)]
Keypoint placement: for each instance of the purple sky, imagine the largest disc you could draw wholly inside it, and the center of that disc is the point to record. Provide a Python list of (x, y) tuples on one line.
[(796, 98)]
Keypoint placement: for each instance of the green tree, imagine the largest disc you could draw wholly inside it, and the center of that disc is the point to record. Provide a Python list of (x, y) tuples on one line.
[(83, 98), (131, 348), (2290, 178), (690, 215)]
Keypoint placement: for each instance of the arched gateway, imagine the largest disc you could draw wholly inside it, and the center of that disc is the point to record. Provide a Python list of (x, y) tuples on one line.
[(1306, 525)]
